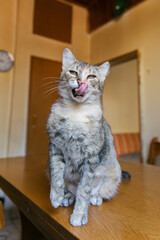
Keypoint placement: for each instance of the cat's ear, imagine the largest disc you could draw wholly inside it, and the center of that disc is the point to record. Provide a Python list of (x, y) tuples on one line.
[(104, 70), (68, 58)]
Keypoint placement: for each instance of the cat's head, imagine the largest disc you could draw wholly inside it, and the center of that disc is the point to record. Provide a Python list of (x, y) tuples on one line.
[(81, 81)]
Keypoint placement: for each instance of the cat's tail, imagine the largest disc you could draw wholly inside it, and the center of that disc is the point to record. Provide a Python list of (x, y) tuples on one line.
[(126, 174)]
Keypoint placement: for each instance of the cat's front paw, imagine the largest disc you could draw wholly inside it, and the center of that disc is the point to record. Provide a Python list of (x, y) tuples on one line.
[(96, 200), (78, 219), (56, 197), (68, 199)]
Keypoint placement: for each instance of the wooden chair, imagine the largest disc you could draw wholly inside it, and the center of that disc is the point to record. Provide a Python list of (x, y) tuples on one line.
[(2, 219), (154, 150)]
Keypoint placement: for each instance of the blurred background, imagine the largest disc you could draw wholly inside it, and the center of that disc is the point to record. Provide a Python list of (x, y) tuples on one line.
[(124, 32)]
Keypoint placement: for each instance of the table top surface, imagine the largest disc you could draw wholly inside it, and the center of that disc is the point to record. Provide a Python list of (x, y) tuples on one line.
[(134, 213)]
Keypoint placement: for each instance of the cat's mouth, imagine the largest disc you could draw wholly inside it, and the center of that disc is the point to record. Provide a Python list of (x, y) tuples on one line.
[(81, 90)]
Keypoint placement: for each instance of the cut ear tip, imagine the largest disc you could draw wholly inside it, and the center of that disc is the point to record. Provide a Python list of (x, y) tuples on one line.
[(107, 64)]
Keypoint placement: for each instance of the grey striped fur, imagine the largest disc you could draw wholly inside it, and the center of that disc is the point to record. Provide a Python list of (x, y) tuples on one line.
[(82, 164)]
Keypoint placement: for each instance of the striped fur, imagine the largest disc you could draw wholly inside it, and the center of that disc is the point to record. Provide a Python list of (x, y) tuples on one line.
[(82, 164)]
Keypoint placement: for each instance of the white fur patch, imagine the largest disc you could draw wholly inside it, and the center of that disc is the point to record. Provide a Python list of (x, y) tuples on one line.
[(83, 113)]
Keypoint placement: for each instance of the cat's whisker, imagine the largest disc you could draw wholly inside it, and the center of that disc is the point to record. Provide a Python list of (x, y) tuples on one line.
[(46, 83), (51, 89), (57, 78), (48, 88), (54, 82), (49, 94), (49, 83)]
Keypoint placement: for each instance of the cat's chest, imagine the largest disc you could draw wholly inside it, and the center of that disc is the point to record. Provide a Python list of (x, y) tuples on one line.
[(79, 118), (71, 123), (77, 121), (75, 131), (72, 136), (80, 115), (74, 125)]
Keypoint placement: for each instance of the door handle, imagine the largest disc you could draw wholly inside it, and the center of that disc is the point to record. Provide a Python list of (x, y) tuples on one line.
[(34, 120)]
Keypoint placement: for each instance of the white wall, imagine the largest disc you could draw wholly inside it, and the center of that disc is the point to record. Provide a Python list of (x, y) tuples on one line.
[(120, 98), (138, 28)]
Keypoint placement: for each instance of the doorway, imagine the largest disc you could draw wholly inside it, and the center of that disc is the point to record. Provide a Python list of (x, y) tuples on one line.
[(121, 101), (43, 78)]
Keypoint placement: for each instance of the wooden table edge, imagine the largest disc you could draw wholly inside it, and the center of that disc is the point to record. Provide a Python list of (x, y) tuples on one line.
[(51, 228)]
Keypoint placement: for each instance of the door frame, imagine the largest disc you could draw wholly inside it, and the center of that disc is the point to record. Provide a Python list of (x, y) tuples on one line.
[(124, 58), (29, 97)]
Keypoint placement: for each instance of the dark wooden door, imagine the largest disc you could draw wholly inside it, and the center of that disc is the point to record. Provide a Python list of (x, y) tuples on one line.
[(43, 79)]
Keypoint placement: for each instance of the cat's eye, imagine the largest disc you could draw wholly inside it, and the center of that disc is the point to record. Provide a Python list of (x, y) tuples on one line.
[(91, 76), (73, 73)]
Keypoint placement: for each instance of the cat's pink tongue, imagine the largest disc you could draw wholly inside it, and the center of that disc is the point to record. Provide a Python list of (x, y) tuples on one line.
[(82, 90)]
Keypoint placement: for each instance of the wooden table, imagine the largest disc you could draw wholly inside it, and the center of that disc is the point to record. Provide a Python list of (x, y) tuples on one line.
[(134, 213)]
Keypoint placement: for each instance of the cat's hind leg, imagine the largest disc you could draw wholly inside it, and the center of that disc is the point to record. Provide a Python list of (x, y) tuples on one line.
[(110, 183), (105, 185), (95, 199)]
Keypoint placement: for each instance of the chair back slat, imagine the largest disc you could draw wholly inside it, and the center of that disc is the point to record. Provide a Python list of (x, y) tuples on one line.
[(2, 219), (154, 150)]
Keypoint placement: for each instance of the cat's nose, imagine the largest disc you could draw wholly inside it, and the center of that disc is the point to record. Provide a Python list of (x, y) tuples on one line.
[(79, 82)]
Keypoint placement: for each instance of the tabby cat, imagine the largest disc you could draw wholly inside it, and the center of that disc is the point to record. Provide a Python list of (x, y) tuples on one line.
[(82, 165)]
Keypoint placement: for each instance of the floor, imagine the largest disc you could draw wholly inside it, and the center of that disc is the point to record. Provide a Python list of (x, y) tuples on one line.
[(135, 156)]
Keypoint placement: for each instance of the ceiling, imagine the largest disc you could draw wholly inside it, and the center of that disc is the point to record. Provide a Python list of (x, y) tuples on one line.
[(101, 11)]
